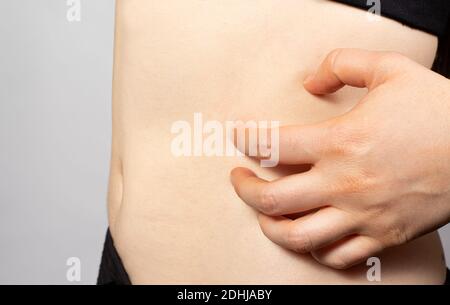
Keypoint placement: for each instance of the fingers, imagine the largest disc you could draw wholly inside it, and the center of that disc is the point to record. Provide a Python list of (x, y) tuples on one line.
[(293, 144), (306, 144), (349, 252), (329, 234), (354, 67), (288, 195), (308, 233), (302, 144)]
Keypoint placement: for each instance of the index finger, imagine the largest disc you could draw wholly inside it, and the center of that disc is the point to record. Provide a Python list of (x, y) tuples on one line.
[(296, 144)]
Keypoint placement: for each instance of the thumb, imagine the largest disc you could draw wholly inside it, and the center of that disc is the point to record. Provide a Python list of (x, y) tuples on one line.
[(353, 67)]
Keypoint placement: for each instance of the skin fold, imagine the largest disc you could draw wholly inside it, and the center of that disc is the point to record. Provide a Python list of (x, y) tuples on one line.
[(178, 219)]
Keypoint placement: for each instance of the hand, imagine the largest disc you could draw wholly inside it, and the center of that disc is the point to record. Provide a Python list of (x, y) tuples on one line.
[(380, 173)]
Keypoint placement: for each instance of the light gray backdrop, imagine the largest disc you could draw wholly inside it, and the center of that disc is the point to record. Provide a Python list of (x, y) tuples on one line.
[(55, 109)]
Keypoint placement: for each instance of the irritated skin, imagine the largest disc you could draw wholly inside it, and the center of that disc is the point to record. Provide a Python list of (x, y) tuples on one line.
[(178, 220)]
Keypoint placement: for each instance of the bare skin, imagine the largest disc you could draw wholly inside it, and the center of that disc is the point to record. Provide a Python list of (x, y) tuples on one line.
[(374, 182), (178, 220)]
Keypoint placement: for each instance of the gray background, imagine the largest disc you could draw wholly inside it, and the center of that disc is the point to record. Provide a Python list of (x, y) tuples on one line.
[(55, 109)]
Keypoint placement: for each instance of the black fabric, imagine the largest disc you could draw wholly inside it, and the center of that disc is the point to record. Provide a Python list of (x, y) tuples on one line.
[(442, 61), (432, 16), (112, 271), (427, 15)]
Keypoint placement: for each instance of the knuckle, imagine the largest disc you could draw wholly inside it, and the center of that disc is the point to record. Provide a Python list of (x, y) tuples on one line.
[(331, 61), (268, 201), (387, 226), (398, 236), (346, 140), (356, 181), (390, 62), (299, 241), (373, 212), (331, 57)]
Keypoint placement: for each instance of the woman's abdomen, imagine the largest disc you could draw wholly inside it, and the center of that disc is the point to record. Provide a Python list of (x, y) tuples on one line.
[(176, 219)]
